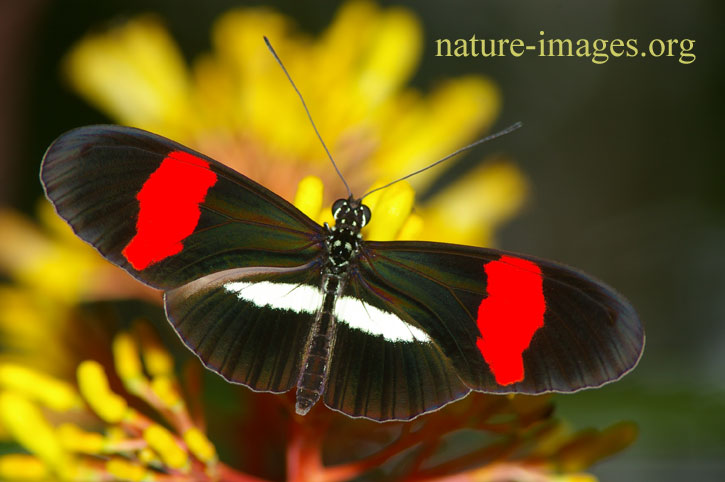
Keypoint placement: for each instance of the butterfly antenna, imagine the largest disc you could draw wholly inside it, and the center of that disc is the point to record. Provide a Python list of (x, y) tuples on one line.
[(309, 116), (505, 131)]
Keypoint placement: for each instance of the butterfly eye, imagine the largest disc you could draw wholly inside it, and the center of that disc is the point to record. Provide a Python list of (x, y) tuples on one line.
[(337, 205), (365, 215)]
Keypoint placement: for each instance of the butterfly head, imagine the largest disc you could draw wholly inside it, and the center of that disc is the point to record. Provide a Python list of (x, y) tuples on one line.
[(350, 214)]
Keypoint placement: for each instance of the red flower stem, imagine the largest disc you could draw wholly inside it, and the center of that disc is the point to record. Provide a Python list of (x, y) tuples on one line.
[(126, 445), (427, 449), (178, 418), (304, 456), (474, 459), (403, 442), (430, 434)]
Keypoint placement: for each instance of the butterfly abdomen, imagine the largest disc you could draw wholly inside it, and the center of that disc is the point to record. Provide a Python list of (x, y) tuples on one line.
[(313, 376)]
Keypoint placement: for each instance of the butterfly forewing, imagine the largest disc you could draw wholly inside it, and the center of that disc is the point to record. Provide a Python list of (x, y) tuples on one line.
[(167, 214), (508, 323)]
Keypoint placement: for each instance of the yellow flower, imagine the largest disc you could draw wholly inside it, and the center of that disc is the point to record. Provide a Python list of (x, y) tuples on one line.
[(21, 467), (235, 104), (26, 423), (53, 261), (139, 447), (55, 394)]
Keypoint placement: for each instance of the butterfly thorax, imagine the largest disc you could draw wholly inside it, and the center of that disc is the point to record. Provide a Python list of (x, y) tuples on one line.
[(342, 244), (344, 237)]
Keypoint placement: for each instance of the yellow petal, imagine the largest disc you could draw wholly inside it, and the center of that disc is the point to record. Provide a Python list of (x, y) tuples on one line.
[(28, 319), (393, 52), (164, 388), (51, 392), (136, 74), (157, 360), (164, 444), (93, 385), (75, 439), (347, 37), (21, 467), (237, 36), (123, 469), (412, 228), (128, 362), (216, 88), (335, 91), (148, 457), (20, 243), (308, 198), (365, 55), (390, 208), (57, 270), (25, 422), (468, 211), (431, 128), (200, 446), (266, 107)]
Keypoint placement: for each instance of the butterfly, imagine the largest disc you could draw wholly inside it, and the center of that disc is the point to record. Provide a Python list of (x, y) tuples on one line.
[(269, 299)]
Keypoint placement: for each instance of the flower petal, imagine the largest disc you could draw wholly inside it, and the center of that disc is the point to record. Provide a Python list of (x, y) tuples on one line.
[(309, 196), (136, 74), (390, 208), (200, 445), (22, 467), (26, 423), (423, 130), (163, 442), (93, 384), (51, 392), (469, 211), (128, 362)]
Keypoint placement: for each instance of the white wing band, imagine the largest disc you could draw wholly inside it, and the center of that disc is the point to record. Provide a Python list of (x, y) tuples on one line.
[(280, 296), (370, 319), (308, 299)]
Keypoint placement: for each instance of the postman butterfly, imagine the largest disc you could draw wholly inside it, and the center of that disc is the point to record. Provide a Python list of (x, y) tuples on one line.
[(269, 299)]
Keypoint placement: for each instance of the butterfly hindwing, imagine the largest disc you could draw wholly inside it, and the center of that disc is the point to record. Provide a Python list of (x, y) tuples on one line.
[(249, 325), (383, 366), (168, 214), (507, 323)]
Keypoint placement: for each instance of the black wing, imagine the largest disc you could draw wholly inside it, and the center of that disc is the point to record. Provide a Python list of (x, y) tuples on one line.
[(167, 214), (492, 321), (250, 325)]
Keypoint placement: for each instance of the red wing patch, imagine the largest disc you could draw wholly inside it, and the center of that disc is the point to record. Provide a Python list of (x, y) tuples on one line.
[(168, 208), (510, 315)]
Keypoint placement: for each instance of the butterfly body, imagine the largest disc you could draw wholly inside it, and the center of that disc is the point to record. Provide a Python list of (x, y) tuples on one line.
[(342, 245), (268, 298)]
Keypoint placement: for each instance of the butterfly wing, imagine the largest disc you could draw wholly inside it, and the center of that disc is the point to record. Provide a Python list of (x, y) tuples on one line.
[(479, 318), (250, 325), (384, 365), (167, 214)]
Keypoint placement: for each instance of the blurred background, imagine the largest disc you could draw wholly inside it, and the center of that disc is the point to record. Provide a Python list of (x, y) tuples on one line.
[(625, 162)]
